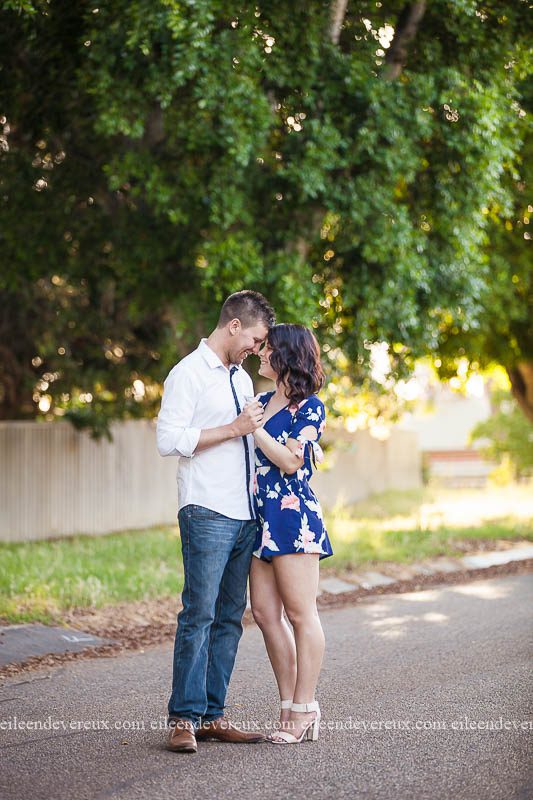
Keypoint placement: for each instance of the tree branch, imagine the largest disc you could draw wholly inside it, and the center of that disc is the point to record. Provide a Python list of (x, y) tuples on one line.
[(406, 29)]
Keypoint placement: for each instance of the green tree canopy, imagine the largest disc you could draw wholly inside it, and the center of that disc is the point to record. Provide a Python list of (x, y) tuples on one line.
[(350, 160)]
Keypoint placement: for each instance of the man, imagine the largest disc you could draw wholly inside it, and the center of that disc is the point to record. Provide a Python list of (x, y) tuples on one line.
[(207, 417)]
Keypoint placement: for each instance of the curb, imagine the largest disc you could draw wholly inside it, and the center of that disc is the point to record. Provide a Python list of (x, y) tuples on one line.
[(393, 574)]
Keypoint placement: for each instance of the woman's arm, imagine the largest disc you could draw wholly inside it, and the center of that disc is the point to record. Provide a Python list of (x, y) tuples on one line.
[(284, 456)]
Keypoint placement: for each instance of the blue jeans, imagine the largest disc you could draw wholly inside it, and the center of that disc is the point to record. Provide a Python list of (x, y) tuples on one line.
[(217, 552)]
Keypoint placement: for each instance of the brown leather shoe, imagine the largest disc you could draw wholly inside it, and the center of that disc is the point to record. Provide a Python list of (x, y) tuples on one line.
[(225, 731), (181, 738)]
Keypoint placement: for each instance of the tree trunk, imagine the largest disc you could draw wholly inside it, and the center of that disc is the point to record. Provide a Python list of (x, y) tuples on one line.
[(154, 130), (521, 377), (338, 12), (406, 28)]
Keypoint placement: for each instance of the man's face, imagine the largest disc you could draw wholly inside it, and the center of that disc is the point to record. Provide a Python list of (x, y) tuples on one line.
[(245, 340)]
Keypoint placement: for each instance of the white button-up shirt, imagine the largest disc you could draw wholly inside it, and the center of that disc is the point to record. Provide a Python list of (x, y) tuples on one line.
[(197, 395)]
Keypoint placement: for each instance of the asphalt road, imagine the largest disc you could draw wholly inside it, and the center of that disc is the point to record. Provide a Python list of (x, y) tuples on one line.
[(411, 683)]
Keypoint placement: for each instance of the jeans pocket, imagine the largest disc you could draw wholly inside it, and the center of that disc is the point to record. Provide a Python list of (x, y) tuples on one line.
[(201, 512)]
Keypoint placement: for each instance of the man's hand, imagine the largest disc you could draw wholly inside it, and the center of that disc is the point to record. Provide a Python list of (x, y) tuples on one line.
[(248, 421), (250, 418)]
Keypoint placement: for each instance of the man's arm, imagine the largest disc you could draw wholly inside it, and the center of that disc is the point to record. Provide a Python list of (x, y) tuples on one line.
[(247, 422), (176, 436)]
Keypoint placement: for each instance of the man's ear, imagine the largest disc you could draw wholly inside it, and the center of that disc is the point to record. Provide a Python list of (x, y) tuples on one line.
[(234, 326)]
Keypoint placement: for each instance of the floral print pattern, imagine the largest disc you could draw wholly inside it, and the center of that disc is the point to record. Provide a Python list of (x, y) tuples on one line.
[(288, 513)]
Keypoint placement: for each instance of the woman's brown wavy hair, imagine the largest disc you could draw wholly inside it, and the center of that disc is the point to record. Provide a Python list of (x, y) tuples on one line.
[(295, 358)]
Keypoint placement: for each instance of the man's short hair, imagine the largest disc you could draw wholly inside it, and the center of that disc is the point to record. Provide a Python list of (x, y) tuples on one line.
[(249, 307)]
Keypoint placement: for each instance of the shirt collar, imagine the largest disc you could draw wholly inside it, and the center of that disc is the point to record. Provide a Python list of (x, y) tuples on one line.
[(211, 357)]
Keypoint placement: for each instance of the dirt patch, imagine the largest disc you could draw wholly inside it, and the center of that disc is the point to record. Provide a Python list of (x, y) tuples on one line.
[(471, 546), (135, 626)]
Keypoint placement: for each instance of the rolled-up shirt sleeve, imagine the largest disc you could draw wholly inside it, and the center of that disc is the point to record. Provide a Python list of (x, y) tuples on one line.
[(176, 436)]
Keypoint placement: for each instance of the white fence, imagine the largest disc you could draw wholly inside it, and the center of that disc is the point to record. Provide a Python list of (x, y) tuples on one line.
[(55, 481)]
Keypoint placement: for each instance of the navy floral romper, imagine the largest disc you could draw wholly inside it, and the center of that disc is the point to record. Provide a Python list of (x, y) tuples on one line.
[(288, 513)]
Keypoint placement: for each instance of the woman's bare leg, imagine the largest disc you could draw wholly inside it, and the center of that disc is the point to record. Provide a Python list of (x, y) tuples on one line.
[(267, 610), (297, 583)]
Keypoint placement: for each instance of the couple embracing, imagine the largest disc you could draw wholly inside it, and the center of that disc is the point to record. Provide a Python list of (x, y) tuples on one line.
[(246, 510)]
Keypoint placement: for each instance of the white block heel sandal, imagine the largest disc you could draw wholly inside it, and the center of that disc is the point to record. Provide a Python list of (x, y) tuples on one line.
[(309, 733)]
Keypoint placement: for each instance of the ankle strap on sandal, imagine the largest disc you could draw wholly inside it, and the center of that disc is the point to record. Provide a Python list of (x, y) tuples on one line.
[(305, 707), (286, 704)]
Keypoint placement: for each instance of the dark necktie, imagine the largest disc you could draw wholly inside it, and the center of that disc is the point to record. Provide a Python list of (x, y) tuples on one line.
[(232, 371)]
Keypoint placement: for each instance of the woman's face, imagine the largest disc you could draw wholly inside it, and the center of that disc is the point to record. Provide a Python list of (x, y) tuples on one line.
[(264, 356)]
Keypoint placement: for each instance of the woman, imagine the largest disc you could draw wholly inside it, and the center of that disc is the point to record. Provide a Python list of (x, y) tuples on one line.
[(291, 535)]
